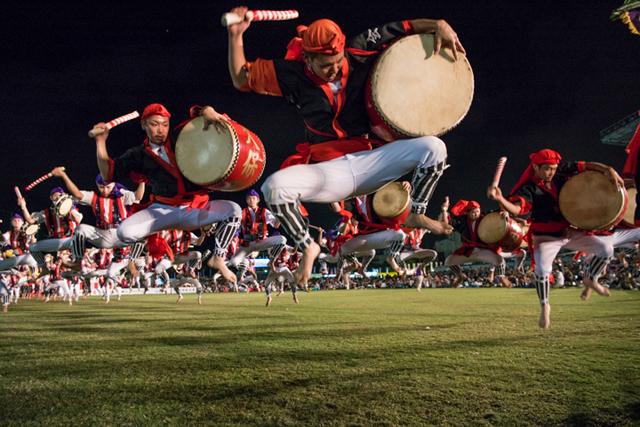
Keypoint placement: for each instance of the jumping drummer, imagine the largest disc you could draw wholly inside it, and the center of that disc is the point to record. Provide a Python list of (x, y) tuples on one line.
[(176, 202), (326, 83), (60, 219), (465, 218), (19, 242), (109, 205), (254, 234), (536, 196)]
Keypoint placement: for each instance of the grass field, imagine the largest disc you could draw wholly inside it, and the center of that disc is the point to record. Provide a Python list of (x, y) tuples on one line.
[(364, 357)]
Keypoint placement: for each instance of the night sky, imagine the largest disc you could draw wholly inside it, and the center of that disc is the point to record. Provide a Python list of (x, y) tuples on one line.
[(547, 74)]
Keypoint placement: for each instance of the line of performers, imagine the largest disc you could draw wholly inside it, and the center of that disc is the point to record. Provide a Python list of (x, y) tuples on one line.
[(341, 163)]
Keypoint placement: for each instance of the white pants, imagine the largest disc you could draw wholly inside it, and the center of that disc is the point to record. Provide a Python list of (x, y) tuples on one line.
[(477, 255), (100, 238), (545, 248), (353, 175), (385, 239), (257, 246), (25, 259), (279, 275), (60, 286), (159, 217)]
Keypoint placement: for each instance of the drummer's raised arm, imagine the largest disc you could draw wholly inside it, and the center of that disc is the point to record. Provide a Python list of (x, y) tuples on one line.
[(494, 193), (101, 153), (237, 58), (71, 186)]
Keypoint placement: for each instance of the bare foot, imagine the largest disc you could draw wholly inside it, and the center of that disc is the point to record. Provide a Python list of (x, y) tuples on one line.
[(199, 299), (586, 293), (269, 300), (600, 290), (545, 319), (180, 298), (423, 221), (506, 283), (133, 269), (309, 255), (218, 263), (295, 299)]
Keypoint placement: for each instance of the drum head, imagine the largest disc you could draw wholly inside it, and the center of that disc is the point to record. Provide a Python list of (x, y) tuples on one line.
[(391, 200), (417, 93), (206, 157), (631, 205), (64, 205), (31, 229), (590, 201), (492, 228)]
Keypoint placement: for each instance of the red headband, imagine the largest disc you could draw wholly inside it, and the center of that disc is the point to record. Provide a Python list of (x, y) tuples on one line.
[(463, 206), (545, 156), (155, 110), (322, 36)]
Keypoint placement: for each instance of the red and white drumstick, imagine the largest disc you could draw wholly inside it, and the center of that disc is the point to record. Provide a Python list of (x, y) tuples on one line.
[(499, 168), (113, 123), (259, 15), (44, 177)]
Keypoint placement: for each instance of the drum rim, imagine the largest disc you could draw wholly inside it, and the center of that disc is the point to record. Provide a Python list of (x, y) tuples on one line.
[(373, 77), (58, 203), (234, 157)]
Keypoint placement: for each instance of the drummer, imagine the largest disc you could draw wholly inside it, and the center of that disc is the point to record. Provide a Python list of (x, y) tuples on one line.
[(109, 205), (176, 203), (536, 196), (60, 228), (16, 240), (466, 219), (326, 83), (631, 171)]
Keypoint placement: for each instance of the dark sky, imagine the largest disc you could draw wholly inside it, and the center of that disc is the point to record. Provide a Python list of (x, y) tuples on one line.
[(547, 74)]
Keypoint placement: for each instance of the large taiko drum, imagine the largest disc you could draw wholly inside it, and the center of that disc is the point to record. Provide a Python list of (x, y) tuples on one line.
[(392, 203), (230, 159), (590, 201), (412, 92), (629, 215), (497, 231)]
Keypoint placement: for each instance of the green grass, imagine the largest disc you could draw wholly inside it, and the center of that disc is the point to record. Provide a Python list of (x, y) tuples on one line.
[(382, 357)]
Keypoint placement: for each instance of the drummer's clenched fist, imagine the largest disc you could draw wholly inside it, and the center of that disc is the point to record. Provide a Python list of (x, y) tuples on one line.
[(58, 171), (237, 29)]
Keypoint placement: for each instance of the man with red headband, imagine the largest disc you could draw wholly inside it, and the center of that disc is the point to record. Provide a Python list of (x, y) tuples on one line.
[(176, 203), (466, 219), (324, 76), (536, 196)]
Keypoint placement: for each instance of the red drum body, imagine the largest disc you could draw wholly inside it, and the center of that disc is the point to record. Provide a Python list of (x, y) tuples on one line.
[(498, 231), (392, 203), (590, 201), (230, 159), (411, 92)]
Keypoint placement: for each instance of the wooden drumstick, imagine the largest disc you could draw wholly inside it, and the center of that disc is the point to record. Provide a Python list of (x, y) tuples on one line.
[(39, 180), (259, 15), (499, 168), (113, 123)]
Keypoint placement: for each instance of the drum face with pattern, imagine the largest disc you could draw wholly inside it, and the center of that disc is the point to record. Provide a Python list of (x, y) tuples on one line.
[(392, 203), (228, 160), (497, 231), (29, 229), (63, 205), (413, 93), (590, 201)]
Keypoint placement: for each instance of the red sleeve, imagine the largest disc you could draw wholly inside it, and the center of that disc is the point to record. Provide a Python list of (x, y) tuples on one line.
[(582, 166), (109, 177), (261, 77)]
